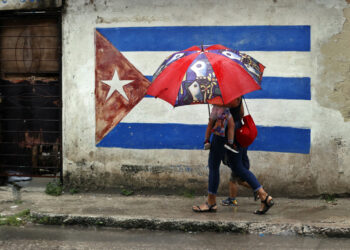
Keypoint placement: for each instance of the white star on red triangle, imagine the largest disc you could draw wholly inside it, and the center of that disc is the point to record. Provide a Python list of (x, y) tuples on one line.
[(116, 85)]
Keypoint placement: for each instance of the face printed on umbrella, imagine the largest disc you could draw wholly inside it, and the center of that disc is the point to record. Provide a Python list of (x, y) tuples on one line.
[(195, 90), (200, 68), (199, 84)]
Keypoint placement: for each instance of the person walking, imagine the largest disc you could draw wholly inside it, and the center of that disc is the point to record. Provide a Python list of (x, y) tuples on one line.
[(235, 162), (220, 120)]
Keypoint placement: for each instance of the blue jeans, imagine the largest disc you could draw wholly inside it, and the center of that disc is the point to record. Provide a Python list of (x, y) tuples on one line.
[(216, 154), (236, 163), (245, 161)]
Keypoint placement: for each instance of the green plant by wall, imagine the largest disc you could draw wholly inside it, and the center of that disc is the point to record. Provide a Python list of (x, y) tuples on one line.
[(73, 191), (54, 188), (187, 193), (329, 198), (18, 219), (127, 192)]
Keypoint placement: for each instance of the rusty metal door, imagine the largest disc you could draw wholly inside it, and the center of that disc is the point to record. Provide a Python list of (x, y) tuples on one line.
[(30, 94)]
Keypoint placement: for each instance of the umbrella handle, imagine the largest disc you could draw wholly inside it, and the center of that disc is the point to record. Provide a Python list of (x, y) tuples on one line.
[(245, 104), (208, 109)]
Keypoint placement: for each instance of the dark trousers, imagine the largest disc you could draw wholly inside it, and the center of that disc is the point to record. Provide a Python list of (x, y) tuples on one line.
[(216, 154), (236, 163)]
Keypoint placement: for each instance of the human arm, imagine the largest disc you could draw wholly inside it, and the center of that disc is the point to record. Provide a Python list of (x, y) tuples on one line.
[(230, 130), (208, 133), (241, 111)]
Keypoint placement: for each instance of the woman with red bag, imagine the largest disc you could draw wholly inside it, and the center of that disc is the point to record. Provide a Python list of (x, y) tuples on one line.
[(236, 162)]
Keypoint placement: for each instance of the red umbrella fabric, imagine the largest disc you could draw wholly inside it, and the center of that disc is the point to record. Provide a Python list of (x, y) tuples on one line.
[(212, 74)]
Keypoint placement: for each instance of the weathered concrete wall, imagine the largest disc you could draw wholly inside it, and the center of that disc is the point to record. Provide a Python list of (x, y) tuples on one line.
[(325, 169)]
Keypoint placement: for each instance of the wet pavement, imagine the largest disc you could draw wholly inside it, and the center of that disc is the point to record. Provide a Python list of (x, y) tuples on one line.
[(160, 212), (61, 237)]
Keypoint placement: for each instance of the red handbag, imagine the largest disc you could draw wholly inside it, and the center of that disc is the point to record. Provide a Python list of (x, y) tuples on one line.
[(248, 132)]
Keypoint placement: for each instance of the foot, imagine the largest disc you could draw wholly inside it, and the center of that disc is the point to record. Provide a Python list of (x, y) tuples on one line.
[(256, 195), (205, 208), (229, 202), (232, 147), (265, 205)]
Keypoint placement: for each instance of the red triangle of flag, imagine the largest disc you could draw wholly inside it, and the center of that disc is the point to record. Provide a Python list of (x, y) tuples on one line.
[(112, 107)]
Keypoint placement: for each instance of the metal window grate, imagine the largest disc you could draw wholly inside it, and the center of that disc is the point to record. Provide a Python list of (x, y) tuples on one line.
[(30, 95)]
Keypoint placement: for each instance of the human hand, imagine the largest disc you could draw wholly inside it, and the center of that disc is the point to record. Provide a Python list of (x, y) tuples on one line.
[(206, 145)]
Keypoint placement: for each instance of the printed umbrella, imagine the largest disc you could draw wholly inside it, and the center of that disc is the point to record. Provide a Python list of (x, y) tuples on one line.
[(210, 74)]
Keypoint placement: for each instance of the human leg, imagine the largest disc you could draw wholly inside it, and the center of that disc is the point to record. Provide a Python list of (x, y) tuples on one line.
[(246, 164), (236, 164), (235, 180), (230, 131), (215, 157), (233, 189), (233, 192)]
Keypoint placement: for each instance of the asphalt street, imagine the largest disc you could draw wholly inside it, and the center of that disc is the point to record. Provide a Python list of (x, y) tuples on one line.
[(61, 237)]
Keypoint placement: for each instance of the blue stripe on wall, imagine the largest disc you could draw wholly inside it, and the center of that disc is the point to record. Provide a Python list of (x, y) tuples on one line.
[(283, 88), (175, 38), (280, 88), (190, 137)]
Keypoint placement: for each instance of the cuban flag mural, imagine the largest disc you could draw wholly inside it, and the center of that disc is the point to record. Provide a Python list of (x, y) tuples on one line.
[(127, 57)]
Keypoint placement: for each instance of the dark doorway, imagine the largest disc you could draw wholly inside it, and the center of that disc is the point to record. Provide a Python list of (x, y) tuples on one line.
[(30, 94)]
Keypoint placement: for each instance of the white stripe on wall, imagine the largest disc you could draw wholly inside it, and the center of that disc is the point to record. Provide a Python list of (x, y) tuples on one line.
[(279, 64), (291, 113)]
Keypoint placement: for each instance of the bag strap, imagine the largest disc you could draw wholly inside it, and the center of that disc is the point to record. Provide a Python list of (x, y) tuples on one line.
[(246, 104)]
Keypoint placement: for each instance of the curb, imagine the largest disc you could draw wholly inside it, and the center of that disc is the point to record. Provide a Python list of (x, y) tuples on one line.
[(191, 225)]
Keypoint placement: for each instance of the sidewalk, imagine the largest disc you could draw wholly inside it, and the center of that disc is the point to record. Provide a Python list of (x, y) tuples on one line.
[(288, 216)]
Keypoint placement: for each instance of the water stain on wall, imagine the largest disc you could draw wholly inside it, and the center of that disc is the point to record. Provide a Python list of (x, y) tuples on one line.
[(335, 78)]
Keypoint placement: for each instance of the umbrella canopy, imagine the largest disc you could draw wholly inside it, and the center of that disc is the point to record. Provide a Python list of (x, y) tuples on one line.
[(208, 74)]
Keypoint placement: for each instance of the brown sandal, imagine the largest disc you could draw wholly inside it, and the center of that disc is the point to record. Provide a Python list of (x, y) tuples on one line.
[(267, 205), (210, 208)]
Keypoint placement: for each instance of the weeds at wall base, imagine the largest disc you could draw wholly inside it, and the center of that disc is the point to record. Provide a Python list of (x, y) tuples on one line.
[(54, 188), (18, 219)]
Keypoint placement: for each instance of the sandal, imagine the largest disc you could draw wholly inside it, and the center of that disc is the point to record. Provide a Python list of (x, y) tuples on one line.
[(210, 208), (256, 195), (267, 206)]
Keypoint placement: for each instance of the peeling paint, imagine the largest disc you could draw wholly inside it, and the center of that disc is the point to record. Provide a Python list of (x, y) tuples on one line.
[(335, 89)]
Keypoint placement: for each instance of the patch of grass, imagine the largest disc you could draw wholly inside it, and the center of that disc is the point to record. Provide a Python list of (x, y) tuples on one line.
[(44, 220), (188, 194), (25, 213), (73, 191), (18, 219), (329, 198), (54, 188), (127, 192)]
